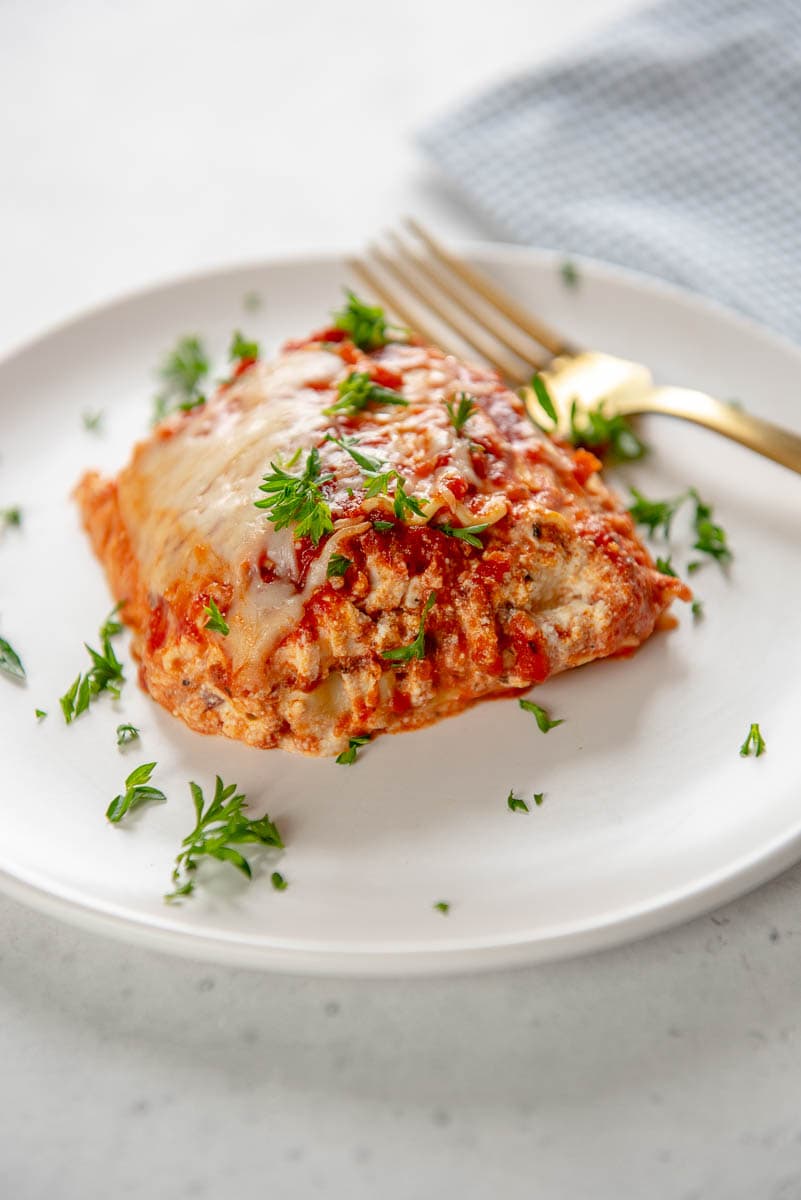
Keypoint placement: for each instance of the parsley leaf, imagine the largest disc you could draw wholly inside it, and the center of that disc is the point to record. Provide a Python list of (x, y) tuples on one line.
[(216, 621), (754, 743), (461, 414), (544, 722), (697, 609), (655, 514), (357, 391), (665, 566), (126, 734), (182, 372), (137, 792), (220, 826), (40, 714), (467, 533), (383, 526), (10, 662), (402, 503), (298, 499), (538, 798), (241, 347), (544, 397), (349, 756), (417, 648), (337, 566), (710, 538), (442, 906), (92, 421), (569, 272), (365, 324), (105, 674), (362, 460), (516, 803), (612, 436), (278, 881), (11, 516)]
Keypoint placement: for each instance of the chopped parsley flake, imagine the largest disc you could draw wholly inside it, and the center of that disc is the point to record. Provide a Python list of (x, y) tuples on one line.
[(182, 372), (278, 881), (569, 273), (365, 324), (298, 500), (220, 826), (417, 648), (362, 460), (657, 515), (516, 803), (337, 566), (241, 347), (442, 906), (349, 756), (10, 662), (357, 391), (540, 390), (216, 621), (251, 301), (126, 733), (11, 516), (665, 566), (92, 421), (610, 437), (467, 533), (105, 674), (462, 412), (754, 743), (40, 714), (137, 792), (697, 609), (544, 722), (538, 798), (383, 526)]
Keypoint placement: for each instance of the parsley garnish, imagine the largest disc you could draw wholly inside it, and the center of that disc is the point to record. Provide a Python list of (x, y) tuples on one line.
[(297, 499), (357, 391), (220, 827), (347, 444), (596, 431), (137, 792), (40, 714), (461, 414), (754, 743), (544, 397), (92, 421), (402, 503), (516, 803), (349, 756), (181, 373), (569, 272), (216, 621), (10, 662), (278, 881), (710, 538), (467, 533), (126, 734), (337, 566), (697, 609), (365, 324), (11, 516), (105, 674), (417, 648), (383, 526), (242, 348), (665, 566), (538, 798), (442, 906), (544, 722)]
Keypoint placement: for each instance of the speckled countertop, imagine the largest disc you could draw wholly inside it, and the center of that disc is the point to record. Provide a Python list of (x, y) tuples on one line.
[(146, 140)]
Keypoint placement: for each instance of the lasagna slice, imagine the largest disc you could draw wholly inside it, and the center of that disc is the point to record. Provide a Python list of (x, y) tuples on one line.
[(362, 536)]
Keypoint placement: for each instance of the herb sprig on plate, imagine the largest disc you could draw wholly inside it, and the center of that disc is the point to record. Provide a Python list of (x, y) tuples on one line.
[(137, 792), (182, 372), (105, 674)]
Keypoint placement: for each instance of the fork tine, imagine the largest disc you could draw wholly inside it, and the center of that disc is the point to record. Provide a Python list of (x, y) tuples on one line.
[(395, 301), (493, 294), (523, 345), (473, 335)]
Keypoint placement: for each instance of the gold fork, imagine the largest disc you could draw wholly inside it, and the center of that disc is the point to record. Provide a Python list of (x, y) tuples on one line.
[(419, 277)]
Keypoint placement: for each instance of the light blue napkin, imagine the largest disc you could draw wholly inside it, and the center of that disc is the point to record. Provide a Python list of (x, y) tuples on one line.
[(670, 143)]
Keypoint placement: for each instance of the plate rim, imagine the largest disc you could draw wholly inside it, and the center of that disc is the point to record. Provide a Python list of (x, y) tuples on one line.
[(443, 958)]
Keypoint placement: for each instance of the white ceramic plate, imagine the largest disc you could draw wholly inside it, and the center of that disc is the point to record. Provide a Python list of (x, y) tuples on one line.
[(650, 813)]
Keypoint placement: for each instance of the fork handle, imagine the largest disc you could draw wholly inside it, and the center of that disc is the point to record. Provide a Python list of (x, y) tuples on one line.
[(755, 433)]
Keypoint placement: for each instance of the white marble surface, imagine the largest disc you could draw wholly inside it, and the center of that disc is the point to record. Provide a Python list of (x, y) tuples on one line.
[(147, 139)]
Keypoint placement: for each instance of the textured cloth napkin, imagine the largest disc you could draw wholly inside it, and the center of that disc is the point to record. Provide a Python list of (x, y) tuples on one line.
[(670, 143)]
